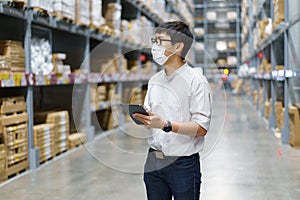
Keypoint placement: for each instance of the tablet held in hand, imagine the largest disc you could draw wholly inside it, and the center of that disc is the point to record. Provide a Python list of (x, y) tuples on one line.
[(130, 109)]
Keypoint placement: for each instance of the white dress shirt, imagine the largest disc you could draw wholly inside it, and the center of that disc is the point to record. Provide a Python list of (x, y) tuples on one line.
[(185, 96)]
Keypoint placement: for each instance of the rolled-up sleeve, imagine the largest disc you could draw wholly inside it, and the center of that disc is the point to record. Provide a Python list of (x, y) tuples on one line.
[(201, 104)]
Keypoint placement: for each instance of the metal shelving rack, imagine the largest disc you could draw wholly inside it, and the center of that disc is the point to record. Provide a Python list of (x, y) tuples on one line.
[(280, 49), (204, 6), (27, 82)]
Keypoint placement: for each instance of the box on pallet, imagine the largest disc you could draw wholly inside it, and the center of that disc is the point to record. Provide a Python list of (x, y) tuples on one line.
[(113, 15), (14, 55), (61, 121), (44, 139), (64, 9), (42, 5), (76, 139), (96, 18), (294, 126), (82, 12), (13, 126)]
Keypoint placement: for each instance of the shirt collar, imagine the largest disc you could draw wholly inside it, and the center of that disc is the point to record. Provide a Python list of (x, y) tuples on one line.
[(176, 72)]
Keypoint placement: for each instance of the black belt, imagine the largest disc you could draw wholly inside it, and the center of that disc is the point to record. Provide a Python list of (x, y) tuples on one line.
[(159, 154)]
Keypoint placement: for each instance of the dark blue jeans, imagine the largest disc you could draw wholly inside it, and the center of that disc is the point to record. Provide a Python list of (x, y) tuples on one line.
[(177, 177)]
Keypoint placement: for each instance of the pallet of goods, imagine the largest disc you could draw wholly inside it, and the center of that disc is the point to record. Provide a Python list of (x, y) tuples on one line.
[(44, 139), (82, 12), (64, 9), (76, 139), (294, 126), (98, 95), (61, 122), (42, 6), (14, 55), (113, 16), (13, 126), (278, 12), (4, 66), (96, 19)]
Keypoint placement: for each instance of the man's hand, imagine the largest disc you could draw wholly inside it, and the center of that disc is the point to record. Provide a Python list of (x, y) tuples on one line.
[(151, 121)]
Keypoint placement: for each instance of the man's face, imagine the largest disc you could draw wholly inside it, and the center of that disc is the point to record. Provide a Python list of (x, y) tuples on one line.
[(165, 41)]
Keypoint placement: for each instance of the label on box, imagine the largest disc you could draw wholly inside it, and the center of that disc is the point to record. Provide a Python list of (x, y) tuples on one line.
[(4, 76)]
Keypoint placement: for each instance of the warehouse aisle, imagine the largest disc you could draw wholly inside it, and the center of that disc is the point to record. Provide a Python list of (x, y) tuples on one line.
[(247, 163)]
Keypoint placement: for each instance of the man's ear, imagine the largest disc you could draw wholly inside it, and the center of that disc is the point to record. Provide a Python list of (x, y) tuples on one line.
[(179, 47)]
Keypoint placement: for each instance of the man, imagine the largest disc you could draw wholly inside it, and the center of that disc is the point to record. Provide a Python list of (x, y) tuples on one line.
[(178, 101)]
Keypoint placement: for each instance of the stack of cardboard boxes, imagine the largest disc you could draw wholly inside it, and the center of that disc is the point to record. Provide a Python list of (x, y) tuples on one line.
[(13, 134), (98, 95), (82, 12), (62, 128), (294, 126), (64, 9), (278, 12), (113, 16), (14, 56), (44, 139), (96, 18)]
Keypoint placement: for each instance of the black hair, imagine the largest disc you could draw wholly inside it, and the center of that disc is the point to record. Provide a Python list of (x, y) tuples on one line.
[(179, 32)]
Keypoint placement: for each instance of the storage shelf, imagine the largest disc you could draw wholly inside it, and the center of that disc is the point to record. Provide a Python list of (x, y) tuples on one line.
[(255, 16), (218, 51), (11, 79), (279, 30), (55, 23), (279, 75), (105, 105), (223, 21), (215, 66), (29, 79), (145, 11), (220, 5), (11, 11), (176, 11), (222, 36)]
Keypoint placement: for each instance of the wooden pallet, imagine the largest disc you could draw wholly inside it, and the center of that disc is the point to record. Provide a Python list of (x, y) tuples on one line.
[(40, 11), (76, 140), (16, 169), (59, 152), (62, 16), (45, 159)]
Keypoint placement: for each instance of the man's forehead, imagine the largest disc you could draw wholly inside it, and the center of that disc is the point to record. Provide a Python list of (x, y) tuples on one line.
[(162, 35)]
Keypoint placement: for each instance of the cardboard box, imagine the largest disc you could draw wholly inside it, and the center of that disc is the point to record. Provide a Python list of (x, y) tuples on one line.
[(231, 60), (76, 139), (96, 18), (294, 126), (211, 15), (14, 55), (64, 9), (82, 14), (113, 15), (231, 44), (221, 45), (45, 5), (231, 15)]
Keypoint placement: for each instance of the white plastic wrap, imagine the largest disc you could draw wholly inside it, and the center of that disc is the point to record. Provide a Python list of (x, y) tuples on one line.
[(41, 56)]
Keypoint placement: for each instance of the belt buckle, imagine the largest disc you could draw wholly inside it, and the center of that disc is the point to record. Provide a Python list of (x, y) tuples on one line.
[(159, 155)]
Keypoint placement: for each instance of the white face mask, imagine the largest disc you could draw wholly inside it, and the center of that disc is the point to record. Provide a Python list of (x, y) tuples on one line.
[(158, 53)]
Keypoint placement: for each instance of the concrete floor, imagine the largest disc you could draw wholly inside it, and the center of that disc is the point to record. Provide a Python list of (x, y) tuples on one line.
[(241, 160)]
